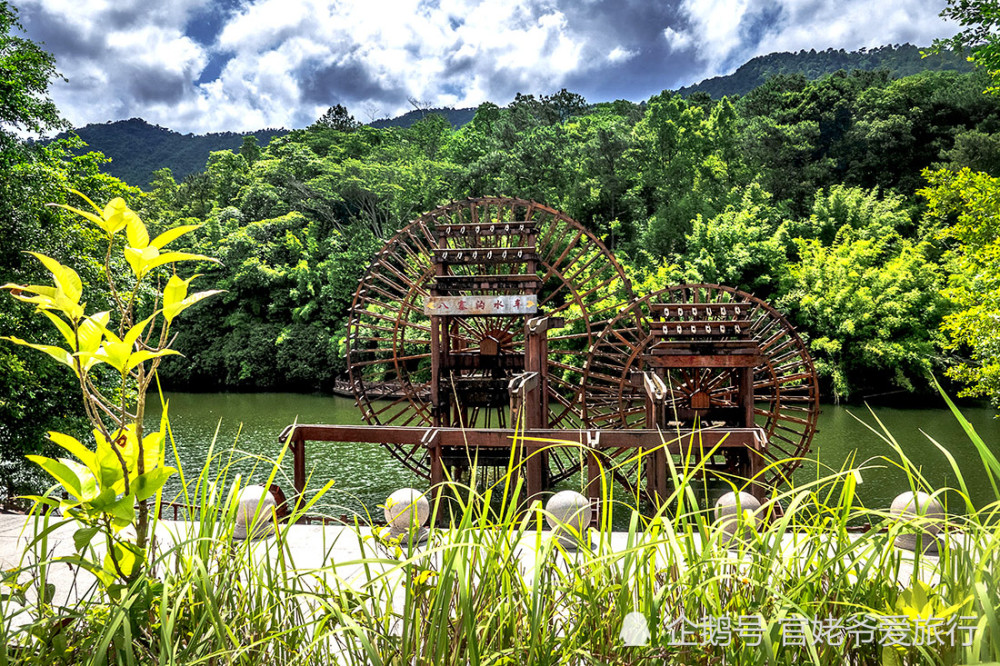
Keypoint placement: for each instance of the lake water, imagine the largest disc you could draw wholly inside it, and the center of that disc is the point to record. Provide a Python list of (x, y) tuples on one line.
[(365, 473)]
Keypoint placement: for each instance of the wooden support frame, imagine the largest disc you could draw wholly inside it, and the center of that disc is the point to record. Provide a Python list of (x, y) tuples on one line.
[(748, 444)]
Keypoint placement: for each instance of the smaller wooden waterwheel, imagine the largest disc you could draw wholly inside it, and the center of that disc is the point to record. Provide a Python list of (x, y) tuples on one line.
[(710, 346)]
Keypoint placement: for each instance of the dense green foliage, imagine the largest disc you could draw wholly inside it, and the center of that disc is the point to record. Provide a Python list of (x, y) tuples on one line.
[(898, 60), (804, 192), (979, 20), (970, 200), (25, 73)]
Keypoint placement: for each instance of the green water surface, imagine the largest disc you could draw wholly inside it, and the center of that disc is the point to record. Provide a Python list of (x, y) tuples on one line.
[(365, 473)]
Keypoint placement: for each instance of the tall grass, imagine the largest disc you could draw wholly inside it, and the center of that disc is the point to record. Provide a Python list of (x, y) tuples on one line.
[(491, 586)]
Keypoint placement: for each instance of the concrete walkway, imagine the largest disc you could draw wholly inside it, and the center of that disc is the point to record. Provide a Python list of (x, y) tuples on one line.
[(313, 548)]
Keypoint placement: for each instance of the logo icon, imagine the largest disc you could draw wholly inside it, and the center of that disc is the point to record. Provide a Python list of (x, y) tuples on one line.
[(635, 629)]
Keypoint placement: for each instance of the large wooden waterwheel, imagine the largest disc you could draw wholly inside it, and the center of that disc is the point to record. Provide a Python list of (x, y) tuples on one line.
[(492, 251), (725, 358)]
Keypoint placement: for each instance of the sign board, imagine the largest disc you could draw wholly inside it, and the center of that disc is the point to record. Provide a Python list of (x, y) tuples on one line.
[(464, 306)]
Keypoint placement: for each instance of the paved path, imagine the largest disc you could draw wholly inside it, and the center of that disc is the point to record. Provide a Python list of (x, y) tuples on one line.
[(312, 547)]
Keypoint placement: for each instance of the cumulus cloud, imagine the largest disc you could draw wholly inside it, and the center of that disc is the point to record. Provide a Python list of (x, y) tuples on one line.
[(678, 40), (214, 65), (730, 32), (618, 54)]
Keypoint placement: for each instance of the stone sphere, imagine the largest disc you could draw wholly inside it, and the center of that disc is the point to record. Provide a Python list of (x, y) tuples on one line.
[(908, 506), (399, 508), (731, 511), (250, 499), (568, 514)]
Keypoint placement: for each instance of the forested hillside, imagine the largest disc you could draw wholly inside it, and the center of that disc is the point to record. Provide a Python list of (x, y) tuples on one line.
[(806, 193), (137, 149), (897, 60), (457, 117)]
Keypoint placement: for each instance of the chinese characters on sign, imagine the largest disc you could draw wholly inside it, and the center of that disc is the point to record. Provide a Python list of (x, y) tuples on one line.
[(797, 630), (511, 304)]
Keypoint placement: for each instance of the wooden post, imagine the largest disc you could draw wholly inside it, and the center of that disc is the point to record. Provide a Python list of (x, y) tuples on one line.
[(533, 467), (656, 461), (746, 396), (298, 447), (594, 486)]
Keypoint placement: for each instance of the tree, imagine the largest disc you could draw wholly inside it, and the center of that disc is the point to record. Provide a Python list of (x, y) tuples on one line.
[(336, 118), (971, 202), (738, 247), (872, 308), (25, 73), (980, 22)]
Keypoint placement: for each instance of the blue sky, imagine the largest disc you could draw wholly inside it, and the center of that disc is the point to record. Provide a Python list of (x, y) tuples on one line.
[(217, 65)]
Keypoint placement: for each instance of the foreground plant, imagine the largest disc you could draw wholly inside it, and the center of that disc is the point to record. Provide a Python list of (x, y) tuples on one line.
[(109, 486)]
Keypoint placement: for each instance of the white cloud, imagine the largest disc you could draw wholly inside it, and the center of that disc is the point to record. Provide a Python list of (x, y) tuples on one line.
[(677, 40), (392, 51), (285, 61), (730, 32), (619, 54)]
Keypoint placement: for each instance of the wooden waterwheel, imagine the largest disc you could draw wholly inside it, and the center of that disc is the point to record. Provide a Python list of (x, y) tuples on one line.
[(721, 357), (413, 367)]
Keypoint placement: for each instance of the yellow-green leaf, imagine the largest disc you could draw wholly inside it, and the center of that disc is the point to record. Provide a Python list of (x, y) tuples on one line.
[(46, 296), (67, 280), (64, 328), (124, 561), (153, 449), (115, 351), (87, 199), (88, 482), (58, 353), (174, 292), (116, 215), (116, 206), (66, 477), (138, 259), (111, 472), (172, 234), (144, 355), (136, 232), (174, 309), (92, 330), (171, 257), (73, 445), (150, 483), (123, 511)]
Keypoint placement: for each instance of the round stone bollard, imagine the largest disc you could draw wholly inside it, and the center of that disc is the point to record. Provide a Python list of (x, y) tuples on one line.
[(406, 512), (731, 513), (568, 514), (908, 507), (254, 513)]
